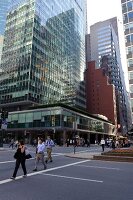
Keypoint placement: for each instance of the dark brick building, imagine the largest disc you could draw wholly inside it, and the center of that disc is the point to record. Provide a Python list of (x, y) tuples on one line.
[(100, 95)]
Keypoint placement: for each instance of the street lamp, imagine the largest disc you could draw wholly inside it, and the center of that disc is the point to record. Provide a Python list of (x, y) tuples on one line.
[(74, 135)]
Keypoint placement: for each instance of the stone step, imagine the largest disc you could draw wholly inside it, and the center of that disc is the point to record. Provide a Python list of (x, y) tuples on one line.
[(113, 158)]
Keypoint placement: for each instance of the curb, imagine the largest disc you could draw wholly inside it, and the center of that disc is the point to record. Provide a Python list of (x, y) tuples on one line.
[(113, 158)]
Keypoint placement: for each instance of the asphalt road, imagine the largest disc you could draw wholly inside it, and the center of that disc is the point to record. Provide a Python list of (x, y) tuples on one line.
[(66, 178)]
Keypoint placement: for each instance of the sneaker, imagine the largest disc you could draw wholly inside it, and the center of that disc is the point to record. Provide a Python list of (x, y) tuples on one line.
[(24, 176), (51, 160), (34, 170), (13, 178)]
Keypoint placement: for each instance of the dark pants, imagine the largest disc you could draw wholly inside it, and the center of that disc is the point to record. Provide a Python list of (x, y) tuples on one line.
[(103, 147), (18, 162), (11, 145)]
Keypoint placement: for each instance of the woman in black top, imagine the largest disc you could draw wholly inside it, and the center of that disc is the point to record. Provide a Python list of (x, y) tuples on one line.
[(20, 159)]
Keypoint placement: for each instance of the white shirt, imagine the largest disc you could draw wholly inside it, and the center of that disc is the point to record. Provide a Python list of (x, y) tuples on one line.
[(102, 141), (49, 143), (40, 148)]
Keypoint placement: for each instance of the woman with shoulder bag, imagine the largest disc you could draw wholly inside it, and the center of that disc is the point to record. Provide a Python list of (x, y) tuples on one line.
[(20, 159)]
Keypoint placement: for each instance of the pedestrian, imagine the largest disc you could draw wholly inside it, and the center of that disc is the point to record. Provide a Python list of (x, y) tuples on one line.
[(88, 143), (49, 144), (20, 159), (12, 143), (103, 143), (113, 144), (67, 142), (117, 143), (16, 144), (40, 154)]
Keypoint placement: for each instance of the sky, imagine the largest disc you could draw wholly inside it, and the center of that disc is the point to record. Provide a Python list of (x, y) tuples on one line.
[(101, 10)]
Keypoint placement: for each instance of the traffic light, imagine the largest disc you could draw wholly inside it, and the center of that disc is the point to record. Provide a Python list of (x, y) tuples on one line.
[(4, 115)]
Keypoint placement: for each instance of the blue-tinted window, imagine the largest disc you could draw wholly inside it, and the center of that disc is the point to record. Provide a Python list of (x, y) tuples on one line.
[(124, 8), (128, 39), (132, 38), (129, 6), (130, 16), (125, 19)]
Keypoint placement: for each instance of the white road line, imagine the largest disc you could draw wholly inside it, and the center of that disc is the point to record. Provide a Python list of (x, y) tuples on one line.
[(9, 161), (99, 167), (74, 178), (12, 161), (43, 171)]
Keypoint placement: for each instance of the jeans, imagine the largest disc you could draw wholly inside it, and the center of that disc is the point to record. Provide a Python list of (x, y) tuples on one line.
[(18, 162)]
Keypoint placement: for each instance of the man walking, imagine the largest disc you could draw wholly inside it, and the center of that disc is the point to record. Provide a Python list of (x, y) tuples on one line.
[(40, 154), (12, 143), (49, 144), (102, 143)]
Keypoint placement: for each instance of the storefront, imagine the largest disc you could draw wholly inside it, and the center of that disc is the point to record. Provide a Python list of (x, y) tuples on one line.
[(61, 122)]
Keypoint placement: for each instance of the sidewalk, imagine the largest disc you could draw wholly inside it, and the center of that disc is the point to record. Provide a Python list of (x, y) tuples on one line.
[(83, 155)]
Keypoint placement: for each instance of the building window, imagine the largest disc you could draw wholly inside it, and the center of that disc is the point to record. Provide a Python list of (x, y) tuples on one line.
[(124, 8), (123, 1), (130, 16), (130, 6), (131, 88), (130, 75), (130, 63)]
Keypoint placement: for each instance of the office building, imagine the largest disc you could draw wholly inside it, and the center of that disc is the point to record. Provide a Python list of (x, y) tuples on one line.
[(43, 56), (4, 5), (127, 11), (105, 50), (62, 122), (100, 95)]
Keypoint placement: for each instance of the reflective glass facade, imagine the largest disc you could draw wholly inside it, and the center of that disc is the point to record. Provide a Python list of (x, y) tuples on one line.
[(127, 11), (43, 56), (3, 12), (60, 119)]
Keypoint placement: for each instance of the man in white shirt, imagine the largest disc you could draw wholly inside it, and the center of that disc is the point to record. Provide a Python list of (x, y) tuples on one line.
[(40, 154), (49, 144), (102, 143)]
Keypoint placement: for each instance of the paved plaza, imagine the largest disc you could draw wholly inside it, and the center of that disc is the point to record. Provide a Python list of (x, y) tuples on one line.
[(66, 178)]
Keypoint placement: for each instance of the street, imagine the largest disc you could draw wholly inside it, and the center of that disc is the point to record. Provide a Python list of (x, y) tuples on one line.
[(66, 178)]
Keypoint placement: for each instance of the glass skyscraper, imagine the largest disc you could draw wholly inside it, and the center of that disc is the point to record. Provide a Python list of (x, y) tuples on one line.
[(4, 5), (127, 11), (43, 56)]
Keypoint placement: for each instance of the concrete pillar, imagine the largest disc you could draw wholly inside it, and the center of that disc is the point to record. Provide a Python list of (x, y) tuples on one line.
[(64, 137)]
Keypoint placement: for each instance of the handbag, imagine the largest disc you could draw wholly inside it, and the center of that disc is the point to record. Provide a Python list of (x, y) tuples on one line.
[(28, 156), (16, 155)]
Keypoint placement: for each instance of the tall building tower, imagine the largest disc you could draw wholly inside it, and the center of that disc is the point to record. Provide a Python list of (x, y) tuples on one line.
[(127, 11), (43, 56), (104, 46), (4, 5)]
